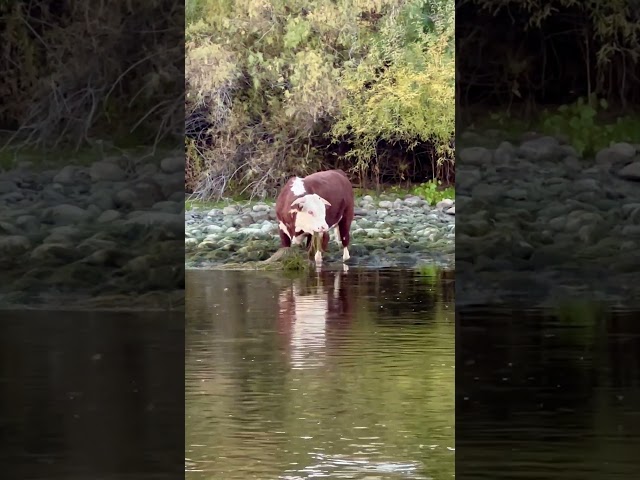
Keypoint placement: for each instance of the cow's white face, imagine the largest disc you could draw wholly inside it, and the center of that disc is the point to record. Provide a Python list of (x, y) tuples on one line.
[(311, 218)]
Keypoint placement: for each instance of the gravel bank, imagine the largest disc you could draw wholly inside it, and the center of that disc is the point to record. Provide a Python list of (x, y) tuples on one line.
[(536, 205), (105, 235), (387, 231)]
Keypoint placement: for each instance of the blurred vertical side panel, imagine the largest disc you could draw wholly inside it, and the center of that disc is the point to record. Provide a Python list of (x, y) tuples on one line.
[(91, 239), (548, 228)]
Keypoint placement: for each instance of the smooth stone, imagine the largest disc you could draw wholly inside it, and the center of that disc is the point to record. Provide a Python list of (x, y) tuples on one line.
[(126, 198), (486, 192), (172, 164), (476, 156), (106, 171), (108, 216), (7, 186), (230, 210), (65, 214), (28, 223), (167, 206), (66, 176), (542, 148), (630, 172), (623, 148), (505, 152), (444, 204), (14, 244), (53, 251)]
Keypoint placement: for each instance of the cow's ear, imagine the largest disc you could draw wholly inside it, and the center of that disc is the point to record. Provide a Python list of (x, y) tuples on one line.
[(294, 210)]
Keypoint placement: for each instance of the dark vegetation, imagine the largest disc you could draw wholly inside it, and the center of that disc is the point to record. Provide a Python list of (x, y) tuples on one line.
[(567, 67), (73, 72), (277, 88)]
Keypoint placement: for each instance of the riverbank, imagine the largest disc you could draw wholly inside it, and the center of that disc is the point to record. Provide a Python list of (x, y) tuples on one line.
[(104, 235), (573, 221), (389, 230)]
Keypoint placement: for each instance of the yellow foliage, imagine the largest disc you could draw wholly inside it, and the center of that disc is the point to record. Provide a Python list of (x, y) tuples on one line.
[(288, 73)]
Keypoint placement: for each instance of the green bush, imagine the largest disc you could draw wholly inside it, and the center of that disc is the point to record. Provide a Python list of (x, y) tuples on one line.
[(276, 88)]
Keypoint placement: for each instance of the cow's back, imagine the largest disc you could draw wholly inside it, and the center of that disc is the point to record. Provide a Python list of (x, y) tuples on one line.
[(333, 186)]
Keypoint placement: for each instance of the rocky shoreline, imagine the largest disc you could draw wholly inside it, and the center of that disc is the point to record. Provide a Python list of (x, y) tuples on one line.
[(540, 224), (387, 231), (106, 235)]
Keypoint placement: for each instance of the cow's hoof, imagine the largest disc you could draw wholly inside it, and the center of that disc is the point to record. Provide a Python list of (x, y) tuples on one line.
[(345, 267), (345, 254), (318, 257)]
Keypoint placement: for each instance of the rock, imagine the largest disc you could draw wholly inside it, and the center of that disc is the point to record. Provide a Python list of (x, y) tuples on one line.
[(28, 223), (540, 148), (612, 156), (174, 222), (54, 253), (414, 201), (14, 244), (65, 214), (127, 199), (505, 153), (360, 212), (261, 208), (170, 183), (7, 186), (444, 204), (243, 221), (172, 165), (103, 199), (486, 192), (516, 194), (106, 171), (230, 210), (168, 207), (450, 211), (7, 228), (474, 156), (108, 216), (623, 148), (385, 204), (466, 179), (66, 176), (630, 172), (259, 216)]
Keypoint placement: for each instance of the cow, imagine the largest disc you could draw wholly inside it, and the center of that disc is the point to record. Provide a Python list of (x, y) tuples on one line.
[(314, 205)]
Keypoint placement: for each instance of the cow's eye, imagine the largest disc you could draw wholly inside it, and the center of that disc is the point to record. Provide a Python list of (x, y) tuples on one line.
[(311, 213)]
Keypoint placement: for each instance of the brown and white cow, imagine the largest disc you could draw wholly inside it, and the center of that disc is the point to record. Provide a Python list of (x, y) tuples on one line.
[(316, 204)]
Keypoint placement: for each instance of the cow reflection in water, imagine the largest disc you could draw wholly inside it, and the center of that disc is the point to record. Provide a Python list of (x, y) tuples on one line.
[(314, 313)]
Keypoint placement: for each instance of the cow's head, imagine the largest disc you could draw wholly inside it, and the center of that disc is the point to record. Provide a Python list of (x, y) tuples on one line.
[(311, 213)]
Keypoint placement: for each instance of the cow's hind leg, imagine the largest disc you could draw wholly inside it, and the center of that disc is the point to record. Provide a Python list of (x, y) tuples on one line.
[(344, 226)]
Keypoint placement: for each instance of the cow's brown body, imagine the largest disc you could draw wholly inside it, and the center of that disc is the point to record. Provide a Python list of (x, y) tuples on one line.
[(333, 186)]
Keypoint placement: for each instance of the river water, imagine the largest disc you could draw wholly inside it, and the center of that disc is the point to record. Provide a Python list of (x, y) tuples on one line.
[(329, 375), (544, 394)]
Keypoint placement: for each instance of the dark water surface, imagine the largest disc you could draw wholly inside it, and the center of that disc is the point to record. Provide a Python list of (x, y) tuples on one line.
[(86, 395), (545, 395), (336, 375)]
